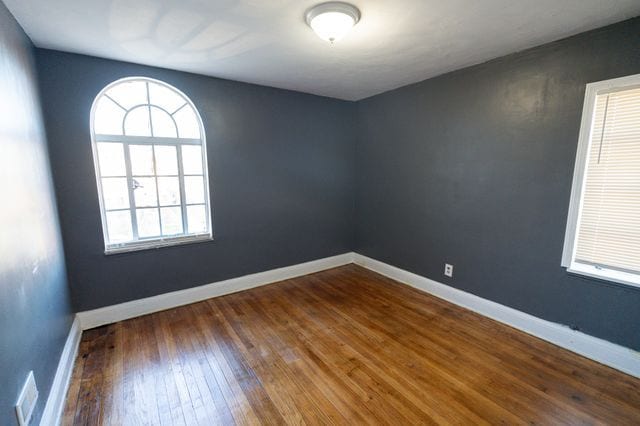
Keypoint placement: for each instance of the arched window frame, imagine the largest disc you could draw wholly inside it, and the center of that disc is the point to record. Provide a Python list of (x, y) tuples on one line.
[(137, 242)]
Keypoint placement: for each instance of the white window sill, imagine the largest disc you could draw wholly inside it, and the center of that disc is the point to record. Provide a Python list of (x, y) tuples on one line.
[(605, 274), (156, 244)]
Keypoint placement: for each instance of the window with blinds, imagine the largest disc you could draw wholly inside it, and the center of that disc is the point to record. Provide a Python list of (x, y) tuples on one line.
[(606, 229)]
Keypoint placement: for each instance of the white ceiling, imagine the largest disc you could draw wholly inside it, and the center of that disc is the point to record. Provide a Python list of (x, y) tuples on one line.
[(397, 42)]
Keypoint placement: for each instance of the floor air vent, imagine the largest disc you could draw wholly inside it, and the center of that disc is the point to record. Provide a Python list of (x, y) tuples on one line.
[(27, 400)]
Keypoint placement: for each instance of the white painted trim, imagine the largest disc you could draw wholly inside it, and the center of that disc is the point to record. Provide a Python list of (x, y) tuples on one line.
[(138, 243), (610, 354), (582, 158), (136, 308), (58, 393), (613, 355), (608, 274)]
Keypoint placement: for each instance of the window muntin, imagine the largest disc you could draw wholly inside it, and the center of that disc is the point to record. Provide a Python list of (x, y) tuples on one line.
[(151, 166), (603, 228)]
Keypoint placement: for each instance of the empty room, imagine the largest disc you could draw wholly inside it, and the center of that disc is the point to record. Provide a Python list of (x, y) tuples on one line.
[(297, 212)]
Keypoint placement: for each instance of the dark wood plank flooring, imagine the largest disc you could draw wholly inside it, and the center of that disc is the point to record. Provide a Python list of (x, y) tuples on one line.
[(344, 346)]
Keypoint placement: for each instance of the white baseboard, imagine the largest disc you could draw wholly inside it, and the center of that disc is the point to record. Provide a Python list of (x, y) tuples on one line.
[(136, 308), (57, 395), (610, 354)]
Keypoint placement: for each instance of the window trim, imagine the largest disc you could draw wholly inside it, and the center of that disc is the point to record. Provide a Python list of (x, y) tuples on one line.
[(578, 184), (161, 241)]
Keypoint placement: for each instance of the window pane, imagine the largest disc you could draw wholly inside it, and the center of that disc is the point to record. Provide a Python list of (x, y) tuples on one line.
[(165, 97), (187, 123), (194, 189), (166, 160), (111, 159), (171, 220), (196, 219), (141, 160), (145, 192), (163, 126), (143, 188), (119, 226), (129, 94), (169, 191), (115, 194), (148, 222), (108, 116), (192, 159), (136, 123)]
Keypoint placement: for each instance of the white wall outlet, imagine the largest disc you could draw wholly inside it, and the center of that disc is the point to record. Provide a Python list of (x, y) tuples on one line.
[(27, 400), (448, 270)]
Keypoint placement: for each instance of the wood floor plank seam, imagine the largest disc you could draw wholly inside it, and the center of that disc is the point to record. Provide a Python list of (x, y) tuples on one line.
[(341, 346), (449, 384), (488, 353)]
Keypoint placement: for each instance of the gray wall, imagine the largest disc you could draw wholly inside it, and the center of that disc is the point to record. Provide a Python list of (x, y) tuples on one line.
[(35, 313), (281, 180), (474, 168)]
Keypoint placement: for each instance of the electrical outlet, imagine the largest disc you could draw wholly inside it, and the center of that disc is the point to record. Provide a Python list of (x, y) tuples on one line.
[(448, 270), (27, 400)]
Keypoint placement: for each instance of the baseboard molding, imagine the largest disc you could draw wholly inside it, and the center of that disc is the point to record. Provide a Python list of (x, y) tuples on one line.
[(136, 308), (607, 353), (602, 351), (57, 395)]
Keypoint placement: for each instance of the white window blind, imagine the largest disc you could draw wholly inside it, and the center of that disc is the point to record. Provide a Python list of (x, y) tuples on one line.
[(607, 233)]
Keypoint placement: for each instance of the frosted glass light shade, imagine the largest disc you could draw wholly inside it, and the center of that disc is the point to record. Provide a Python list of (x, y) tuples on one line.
[(333, 20)]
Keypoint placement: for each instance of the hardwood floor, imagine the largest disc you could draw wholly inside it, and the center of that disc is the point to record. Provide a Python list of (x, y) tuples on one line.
[(344, 346)]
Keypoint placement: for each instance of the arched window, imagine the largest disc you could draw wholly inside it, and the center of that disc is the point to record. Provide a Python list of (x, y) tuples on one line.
[(151, 166)]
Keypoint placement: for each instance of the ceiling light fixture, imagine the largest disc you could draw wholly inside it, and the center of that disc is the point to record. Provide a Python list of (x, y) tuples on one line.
[(332, 20)]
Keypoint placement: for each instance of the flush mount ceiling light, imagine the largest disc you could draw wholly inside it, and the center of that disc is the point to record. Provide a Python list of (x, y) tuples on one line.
[(332, 20)]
